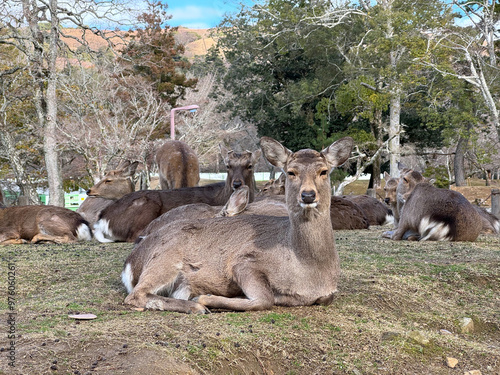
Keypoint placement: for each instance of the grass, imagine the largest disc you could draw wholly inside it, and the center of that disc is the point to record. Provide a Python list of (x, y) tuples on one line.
[(391, 295)]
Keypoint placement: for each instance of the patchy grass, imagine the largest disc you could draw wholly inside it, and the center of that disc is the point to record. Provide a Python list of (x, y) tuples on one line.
[(393, 301)]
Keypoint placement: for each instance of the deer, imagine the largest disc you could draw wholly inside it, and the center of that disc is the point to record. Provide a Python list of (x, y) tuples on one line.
[(114, 185), (41, 223), (125, 219), (376, 211), (434, 213), (247, 263), (391, 184), (177, 165), (344, 214), (238, 204)]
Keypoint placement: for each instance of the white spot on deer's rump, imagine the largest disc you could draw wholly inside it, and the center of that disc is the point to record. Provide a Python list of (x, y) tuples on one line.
[(102, 233), (83, 233), (127, 278), (433, 230)]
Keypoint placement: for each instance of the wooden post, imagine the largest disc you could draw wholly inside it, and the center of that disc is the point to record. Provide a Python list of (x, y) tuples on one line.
[(495, 202)]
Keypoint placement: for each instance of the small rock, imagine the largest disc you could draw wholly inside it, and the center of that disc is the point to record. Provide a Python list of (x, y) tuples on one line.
[(467, 325), (445, 332), (419, 337), (451, 362), (472, 372)]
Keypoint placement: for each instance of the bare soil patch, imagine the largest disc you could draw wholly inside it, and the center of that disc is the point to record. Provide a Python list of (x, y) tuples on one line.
[(393, 302)]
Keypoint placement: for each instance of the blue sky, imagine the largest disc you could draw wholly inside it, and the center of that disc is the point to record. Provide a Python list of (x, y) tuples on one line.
[(200, 14)]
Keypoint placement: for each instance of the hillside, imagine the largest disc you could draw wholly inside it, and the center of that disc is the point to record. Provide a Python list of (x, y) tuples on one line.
[(196, 41)]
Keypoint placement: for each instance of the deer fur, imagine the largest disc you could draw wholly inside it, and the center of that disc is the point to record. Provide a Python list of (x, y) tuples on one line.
[(125, 219), (23, 224), (376, 211), (433, 213), (114, 185), (247, 262), (344, 214), (238, 204), (391, 184), (178, 165)]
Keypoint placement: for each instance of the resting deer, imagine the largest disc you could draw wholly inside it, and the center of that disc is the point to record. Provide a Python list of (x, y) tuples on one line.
[(238, 204), (433, 213), (247, 262), (391, 184), (178, 165), (376, 211), (126, 218), (23, 224), (114, 185)]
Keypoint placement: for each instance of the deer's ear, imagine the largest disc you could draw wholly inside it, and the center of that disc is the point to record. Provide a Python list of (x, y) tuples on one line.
[(338, 152), (274, 152), (237, 202), (387, 176), (256, 156)]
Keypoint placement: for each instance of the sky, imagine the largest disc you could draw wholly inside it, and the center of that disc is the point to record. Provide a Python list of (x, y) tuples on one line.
[(200, 14)]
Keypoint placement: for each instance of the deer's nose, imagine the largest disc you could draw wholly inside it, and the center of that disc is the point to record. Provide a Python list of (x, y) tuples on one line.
[(237, 184), (308, 197), (387, 200)]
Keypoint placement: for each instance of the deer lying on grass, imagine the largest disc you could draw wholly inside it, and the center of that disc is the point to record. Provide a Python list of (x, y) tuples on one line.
[(238, 204), (23, 224), (114, 185), (433, 213), (344, 214), (247, 262), (126, 218), (178, 165), (376, 212), (391, 184)]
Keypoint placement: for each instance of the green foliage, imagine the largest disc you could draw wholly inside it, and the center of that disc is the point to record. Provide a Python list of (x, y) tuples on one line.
[(439, 174)]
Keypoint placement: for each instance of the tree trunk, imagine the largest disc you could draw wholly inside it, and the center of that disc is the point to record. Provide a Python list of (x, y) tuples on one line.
[(459, 162), (50, 145), (394, 128)]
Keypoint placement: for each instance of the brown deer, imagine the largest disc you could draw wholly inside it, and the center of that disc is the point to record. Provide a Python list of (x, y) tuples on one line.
[(238, 204), (177, 165), (247, 262), (125, 219), (391, 184), (376, 211), (114, 185), (23, 224), (433, 213), (344, 214)]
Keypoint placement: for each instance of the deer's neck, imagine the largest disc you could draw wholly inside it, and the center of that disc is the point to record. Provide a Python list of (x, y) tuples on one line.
[(313, 238)]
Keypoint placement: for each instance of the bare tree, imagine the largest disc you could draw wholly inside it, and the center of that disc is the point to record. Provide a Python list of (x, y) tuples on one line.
[(109, 116), (34, 28)]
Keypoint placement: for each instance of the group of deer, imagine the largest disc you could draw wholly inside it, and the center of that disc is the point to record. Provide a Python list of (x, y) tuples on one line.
[(221, 246), (425, 212)]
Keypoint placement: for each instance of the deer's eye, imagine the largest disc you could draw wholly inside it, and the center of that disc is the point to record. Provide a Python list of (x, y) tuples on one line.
[(250, 166), (323, 172), (291, 173)]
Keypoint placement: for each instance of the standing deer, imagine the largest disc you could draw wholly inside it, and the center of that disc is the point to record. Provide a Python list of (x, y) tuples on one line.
[(23, 224), (125, 219), (433, 213), (114, 185), (178, 165), (247, 262), (391, 184)]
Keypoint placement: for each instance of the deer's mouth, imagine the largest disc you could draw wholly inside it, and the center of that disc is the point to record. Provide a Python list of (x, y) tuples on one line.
[(309, 205)]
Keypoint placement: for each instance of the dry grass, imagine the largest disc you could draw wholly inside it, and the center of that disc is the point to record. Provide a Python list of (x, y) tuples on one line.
[(390, 291)]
